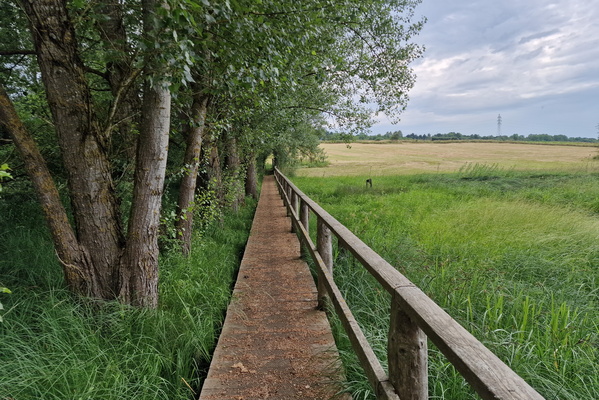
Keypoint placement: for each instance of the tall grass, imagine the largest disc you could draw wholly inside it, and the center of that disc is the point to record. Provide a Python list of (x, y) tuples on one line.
[(54, 346), (513, 256)]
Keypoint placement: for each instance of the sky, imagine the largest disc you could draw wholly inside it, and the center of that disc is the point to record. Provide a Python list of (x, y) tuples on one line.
[(535, 62)]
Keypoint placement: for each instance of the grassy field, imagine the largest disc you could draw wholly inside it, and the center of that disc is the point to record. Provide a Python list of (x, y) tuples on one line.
[(512, 254), (406, 158)]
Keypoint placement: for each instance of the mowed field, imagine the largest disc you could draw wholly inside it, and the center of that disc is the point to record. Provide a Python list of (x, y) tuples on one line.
[(409, 158)]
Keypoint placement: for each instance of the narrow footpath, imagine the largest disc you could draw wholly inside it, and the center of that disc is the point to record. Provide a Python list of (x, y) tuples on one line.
[(274, 343)]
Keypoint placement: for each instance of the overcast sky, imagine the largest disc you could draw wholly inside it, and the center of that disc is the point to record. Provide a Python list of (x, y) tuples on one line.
[(535, 62)]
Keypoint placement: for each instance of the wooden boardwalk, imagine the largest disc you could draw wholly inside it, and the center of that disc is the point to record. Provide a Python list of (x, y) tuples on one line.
[(274, 343)]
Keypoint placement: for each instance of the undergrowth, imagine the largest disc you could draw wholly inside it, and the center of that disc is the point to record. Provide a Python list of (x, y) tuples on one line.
[(513, 256), (55, 346)]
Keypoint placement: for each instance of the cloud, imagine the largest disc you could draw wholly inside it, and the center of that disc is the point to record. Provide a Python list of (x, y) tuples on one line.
[(512, 57), (540, 35)]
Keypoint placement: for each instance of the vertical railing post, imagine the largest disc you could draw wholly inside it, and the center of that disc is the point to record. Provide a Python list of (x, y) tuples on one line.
[(407, 355), (294, 199), (305, 215), (324, 245), (289, 194), (279, 185)]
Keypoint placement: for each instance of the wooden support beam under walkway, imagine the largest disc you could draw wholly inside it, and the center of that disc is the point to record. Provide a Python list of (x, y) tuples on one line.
[(274, 343)]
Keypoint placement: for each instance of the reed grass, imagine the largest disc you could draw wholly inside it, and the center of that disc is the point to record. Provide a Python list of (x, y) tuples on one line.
[(513, 256), (55, 346)]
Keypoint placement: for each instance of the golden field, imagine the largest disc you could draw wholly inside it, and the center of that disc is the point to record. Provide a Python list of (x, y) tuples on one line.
[(377, 159)]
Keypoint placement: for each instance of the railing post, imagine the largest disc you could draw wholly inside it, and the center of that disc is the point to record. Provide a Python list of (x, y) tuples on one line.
[(407, 355), (280, 186), (288, 191), (324, 245), (294, 199), (305, 215)]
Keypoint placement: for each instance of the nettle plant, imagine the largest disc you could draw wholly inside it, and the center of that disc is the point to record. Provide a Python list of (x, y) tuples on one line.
[(4, 173)]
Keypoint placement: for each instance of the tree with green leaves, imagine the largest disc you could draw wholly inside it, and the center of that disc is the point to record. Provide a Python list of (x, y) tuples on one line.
[(248, 78), (264, 60)]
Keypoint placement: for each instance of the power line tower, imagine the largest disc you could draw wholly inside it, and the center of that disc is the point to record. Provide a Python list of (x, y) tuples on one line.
[(499, 125)]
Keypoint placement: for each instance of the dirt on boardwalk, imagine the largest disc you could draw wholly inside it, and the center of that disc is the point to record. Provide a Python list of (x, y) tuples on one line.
[(274, 344)]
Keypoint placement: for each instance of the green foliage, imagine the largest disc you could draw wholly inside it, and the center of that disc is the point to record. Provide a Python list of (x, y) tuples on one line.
[(271, 66), (4, 174), (511, 255)]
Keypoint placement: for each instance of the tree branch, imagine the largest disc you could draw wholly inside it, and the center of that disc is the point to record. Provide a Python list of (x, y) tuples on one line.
[(16, 52), (96, 72), (117, 100)]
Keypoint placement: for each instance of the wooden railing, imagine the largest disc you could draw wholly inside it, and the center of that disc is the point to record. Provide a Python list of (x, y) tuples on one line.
[(414, 317)]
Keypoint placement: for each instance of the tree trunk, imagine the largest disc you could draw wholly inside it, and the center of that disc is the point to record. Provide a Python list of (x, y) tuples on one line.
[(139, 269), (234, 188), (83, 148), (187, 188), (212, 179), (251, 177), (73, 258)]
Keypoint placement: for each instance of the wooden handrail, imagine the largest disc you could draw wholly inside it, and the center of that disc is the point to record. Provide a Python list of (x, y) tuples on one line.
[(413, 313)]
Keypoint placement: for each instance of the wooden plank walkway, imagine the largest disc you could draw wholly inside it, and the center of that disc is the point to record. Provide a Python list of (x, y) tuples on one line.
[(274, 343)]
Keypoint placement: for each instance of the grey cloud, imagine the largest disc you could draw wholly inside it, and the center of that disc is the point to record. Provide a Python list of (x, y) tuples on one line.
[(539, 35), (530, 55)]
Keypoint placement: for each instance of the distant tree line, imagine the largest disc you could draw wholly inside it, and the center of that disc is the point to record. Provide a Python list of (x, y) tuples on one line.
[(341, 136), (398, 135)]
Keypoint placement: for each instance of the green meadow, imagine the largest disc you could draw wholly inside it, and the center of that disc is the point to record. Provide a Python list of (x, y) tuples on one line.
[(512, 254)]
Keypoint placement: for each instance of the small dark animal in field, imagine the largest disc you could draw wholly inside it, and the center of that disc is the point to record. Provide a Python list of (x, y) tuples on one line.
[(369, 182)]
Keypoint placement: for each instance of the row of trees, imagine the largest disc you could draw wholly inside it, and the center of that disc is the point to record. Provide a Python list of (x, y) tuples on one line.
[(397, 135), (115, 98), (515, 137), (343, 136)]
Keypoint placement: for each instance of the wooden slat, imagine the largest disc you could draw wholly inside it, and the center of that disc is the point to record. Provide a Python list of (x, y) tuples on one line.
[(488, 375)]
